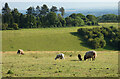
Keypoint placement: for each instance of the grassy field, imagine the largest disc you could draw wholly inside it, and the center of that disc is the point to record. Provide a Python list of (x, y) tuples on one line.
[(47, 39), (43, 44), (42, 64)]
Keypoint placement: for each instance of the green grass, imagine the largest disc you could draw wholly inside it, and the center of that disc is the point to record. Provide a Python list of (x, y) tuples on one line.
[(47, 39), (42, 64)]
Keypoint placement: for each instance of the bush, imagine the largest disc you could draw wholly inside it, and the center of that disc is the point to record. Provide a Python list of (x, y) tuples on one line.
[(4, 26), (89, 23), (105, 33), (95, 37), (86, 36), (95, 43), (15, 26), (102, 43)]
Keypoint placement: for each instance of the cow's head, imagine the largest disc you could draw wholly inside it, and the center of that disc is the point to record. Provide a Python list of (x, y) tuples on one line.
[(55, 58)]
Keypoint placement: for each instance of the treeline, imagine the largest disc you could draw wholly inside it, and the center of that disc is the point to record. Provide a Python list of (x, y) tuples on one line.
[(42, 17), (96, 37), (108, 18)]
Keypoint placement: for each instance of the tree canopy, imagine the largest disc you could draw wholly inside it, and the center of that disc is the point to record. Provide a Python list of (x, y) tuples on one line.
[(41, 17)]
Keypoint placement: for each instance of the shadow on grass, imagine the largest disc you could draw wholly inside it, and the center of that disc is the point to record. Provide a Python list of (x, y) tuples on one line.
[(74, 60), (84, 43)]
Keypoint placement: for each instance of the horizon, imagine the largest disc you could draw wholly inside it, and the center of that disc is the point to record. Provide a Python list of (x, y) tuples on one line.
[(66, 5)]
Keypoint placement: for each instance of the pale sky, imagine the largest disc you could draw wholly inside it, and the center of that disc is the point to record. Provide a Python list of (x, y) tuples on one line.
[(60, 0), (75, 4)]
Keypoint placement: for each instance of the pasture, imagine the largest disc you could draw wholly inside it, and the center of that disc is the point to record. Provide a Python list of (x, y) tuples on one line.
[(43, 64), (41, 45), (48, 39)]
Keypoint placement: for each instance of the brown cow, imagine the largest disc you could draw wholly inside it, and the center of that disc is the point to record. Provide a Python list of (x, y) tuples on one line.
[(90, 54)]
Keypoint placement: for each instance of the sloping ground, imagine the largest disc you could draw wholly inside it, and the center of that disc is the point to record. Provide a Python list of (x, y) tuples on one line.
[(47, 39)]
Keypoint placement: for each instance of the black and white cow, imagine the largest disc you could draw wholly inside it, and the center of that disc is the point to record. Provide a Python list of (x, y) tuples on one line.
[(60, 56), (20, 51)]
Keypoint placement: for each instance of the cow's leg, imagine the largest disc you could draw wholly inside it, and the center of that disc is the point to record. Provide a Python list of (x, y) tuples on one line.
[(90, 59), (93, 58)]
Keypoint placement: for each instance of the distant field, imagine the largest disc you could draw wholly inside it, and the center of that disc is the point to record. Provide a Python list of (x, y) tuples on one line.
[(47, 39), (42, 64), (109, 24)]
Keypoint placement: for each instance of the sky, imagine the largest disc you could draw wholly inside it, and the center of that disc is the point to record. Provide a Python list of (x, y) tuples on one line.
[(59, 0), (67, 4)]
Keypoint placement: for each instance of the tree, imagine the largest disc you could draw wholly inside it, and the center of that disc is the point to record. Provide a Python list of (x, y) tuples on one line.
[(4, 26), (62, 10), (38, 22), (37, 10), (81, 15), (6, 14), (74, 15), (62, 20), (52, 19), (15, 15), (108, 18), (91, 17), (31, 11), (69, 21), (31, 21), (6, 9), (54, 9), (44, 10), (22, 21), (80, 21)]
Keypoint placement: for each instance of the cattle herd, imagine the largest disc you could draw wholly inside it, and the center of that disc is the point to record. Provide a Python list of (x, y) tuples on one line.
[(88, 55)]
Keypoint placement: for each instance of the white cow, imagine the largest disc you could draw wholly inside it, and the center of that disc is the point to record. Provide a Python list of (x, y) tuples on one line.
[(60, 56), (90, 54)]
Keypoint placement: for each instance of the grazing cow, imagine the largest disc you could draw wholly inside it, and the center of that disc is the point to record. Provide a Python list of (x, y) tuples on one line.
[(79, 57), (60, 56), (20, 51), (90, 54)]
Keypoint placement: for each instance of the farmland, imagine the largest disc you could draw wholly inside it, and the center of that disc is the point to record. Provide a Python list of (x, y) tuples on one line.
[(42, 64), (41, 45), (47, 39)]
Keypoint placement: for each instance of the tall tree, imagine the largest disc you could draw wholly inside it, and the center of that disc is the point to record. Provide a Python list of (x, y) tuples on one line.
[(6, 15), (6, 9), (31, 11), (54, 9), (44, 10), (15, 15), (37, 10), (62, 20), (52, 19), (62, 10), (22, 21)]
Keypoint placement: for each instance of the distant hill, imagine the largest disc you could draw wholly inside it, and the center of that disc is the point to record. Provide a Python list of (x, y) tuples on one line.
[(96, 12)]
